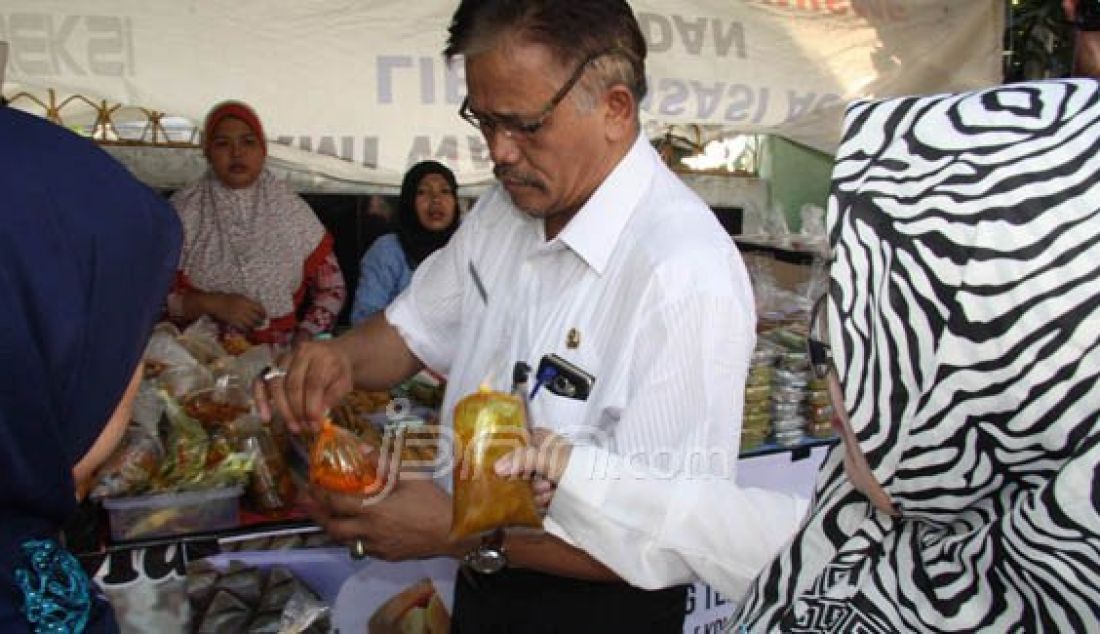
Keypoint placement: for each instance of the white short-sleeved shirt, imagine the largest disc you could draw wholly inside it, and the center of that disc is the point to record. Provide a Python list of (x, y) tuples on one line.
[(652, 287)]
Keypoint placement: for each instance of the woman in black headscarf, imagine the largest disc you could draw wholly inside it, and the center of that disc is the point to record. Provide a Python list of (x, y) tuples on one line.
[(426, 220), (86, 258)]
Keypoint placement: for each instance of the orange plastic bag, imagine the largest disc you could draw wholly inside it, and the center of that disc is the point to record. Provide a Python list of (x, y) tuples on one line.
[(337, 463), (489, 425)]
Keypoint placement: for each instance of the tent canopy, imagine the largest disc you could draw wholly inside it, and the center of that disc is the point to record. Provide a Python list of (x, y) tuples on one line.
[(361, 91)]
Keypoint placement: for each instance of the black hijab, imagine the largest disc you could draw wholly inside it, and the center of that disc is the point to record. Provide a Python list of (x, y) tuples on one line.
[(417, 241)]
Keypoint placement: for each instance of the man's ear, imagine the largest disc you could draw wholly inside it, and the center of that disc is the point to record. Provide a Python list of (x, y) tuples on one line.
[(620, 113)]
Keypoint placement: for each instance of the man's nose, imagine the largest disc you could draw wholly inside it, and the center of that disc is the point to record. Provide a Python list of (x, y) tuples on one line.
[(503, 148)]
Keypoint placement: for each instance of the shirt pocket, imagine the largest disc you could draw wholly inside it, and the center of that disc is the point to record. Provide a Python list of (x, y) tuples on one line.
[(568, 415), (563, 415)]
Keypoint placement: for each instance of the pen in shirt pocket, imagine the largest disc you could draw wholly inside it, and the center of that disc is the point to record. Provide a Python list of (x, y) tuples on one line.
[(478, 284)]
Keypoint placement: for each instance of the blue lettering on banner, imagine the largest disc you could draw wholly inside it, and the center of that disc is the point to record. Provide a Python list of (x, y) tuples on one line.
[(708, 101), (386, 66), (392, 71), (693, 35), (44, 45), (445, 152), (326, 145), (479, 152)]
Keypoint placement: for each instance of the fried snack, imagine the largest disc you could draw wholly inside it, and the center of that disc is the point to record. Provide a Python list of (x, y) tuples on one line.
[(337, 463), (489, 425), (421, 443), (415, 610), (208, 411), (235, 343), (367, 402)]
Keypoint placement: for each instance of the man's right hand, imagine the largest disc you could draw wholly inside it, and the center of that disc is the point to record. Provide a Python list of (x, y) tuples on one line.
[(318, 375), (235, 310)]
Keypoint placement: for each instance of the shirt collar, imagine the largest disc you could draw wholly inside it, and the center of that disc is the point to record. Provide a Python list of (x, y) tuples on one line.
[(593, 233)]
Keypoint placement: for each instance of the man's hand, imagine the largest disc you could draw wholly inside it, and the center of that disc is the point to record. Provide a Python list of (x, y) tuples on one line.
[(318, 375), (544, 461), (411, 522)]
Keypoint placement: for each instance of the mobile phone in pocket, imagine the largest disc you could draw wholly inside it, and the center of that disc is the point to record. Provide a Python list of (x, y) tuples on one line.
[(563, 378)]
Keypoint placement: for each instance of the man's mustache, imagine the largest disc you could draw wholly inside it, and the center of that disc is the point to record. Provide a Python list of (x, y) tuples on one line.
[(503, 172)]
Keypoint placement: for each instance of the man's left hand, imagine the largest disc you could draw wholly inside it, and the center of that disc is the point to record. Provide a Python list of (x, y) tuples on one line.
[(411, 522)]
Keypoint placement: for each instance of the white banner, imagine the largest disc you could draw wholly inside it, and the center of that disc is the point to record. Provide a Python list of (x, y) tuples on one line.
[(364, 81)]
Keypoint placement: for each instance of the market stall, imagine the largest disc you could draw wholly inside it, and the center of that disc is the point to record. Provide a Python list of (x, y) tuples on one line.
[(198, 490), (774, 66)]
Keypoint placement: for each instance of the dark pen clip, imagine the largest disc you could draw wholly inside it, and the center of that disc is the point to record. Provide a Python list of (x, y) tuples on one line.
[(478, 284)]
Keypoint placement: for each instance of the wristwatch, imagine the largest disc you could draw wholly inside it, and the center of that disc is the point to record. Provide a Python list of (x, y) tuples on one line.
[(488, 557)]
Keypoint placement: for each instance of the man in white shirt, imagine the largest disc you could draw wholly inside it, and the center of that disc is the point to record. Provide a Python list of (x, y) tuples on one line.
[(588, 248)]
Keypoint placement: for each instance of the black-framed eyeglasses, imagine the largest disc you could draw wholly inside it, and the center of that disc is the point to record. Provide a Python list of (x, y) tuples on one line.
[(818, 350), (525, 126)]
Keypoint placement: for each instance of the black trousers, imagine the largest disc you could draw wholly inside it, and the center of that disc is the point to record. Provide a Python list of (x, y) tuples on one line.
[(526, 601)]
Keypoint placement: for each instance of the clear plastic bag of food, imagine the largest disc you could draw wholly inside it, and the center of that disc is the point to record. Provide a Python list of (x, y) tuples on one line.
[(337, 462), (489, 425), (201, 340), (218, 405), (163, 351), (130, 469), (271, 487), (184, 379), (194, 459)]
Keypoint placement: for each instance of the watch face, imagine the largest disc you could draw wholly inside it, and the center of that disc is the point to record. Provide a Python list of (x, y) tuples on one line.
[(486, 560)]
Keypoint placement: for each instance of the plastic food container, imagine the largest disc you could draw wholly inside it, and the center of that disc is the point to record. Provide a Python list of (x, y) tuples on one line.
[(167, 514)]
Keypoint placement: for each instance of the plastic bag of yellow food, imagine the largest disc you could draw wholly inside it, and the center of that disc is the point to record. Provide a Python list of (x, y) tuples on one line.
[(489, 425), (337, 462)]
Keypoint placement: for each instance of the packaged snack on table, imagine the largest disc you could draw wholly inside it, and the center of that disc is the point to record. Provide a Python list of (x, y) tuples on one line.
[(131, 467), (270, 487), (489, 425), (218, 405)]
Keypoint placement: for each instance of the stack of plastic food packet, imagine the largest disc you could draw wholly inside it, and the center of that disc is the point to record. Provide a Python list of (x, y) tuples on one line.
[(819, 410), (756, 425), (792, 376)]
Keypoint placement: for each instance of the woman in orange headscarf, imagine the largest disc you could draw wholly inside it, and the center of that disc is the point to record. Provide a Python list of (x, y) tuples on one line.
[(255, 257)]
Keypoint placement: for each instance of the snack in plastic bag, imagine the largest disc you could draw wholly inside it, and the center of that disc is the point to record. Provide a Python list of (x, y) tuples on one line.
[(201, 340), (131, 467), (271, 486), (193, 459), (218, 405), (489, 425), (337, 463), (184, 379), (164, 351), (235, 343)]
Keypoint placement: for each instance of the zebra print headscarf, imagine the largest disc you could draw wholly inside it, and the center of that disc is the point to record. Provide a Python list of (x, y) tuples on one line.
[(965, 320)]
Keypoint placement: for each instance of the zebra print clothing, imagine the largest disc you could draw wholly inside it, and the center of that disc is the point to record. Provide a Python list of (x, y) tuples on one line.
[(965, 321)]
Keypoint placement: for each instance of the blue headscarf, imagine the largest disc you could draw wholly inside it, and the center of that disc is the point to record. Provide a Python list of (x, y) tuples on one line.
[(86, 258)]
